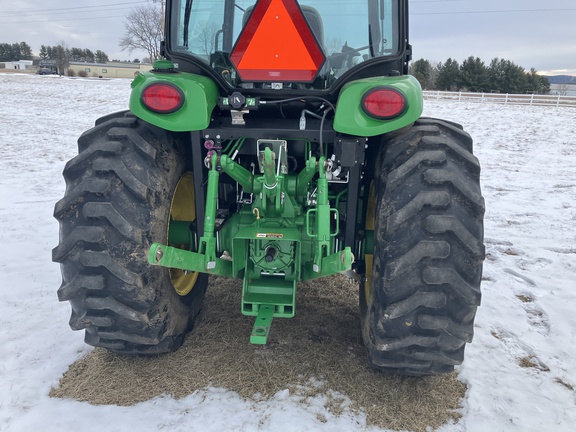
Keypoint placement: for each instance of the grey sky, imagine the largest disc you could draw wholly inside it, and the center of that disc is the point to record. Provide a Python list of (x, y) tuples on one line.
[(532, 33)]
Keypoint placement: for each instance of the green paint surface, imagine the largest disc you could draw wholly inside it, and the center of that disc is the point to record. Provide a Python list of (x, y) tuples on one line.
[(351, 119), (200, 98)]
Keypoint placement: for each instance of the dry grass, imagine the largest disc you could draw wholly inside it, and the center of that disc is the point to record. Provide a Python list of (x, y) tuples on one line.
[(532, 362), (527, 362), (525, 298), (319, 351)]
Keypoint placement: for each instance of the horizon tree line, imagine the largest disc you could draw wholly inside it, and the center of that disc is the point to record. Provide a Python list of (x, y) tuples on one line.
[(473, 75), (23, 51), (500, 76)]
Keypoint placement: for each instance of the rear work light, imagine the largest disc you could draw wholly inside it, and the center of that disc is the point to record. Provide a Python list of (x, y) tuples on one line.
[(384, 103), (163, 98)]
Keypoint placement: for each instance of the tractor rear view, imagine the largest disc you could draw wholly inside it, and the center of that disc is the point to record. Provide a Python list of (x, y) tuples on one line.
[(280, 141)]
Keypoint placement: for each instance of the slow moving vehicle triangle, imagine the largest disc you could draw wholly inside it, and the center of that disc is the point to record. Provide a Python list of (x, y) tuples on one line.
[(277, 45)]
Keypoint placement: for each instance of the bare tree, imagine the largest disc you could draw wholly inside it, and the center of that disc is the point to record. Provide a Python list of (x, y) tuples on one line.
[(205, 37), (333, 45), (143, 30), (61, 54), (562, 89), (162, 9)]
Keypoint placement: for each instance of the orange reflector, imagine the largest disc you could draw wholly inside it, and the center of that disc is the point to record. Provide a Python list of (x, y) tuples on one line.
[(163, 98), (384, 103), (277, 45)]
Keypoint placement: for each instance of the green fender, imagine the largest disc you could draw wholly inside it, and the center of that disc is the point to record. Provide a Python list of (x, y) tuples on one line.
[(200, 98), (351, 119)]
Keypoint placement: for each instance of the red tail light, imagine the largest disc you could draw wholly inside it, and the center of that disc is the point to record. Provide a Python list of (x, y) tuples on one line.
[(384, 103), (163, 98)]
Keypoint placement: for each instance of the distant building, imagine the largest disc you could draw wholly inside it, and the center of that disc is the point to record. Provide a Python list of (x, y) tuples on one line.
[(108, 70), (98, 70), (18, 65)]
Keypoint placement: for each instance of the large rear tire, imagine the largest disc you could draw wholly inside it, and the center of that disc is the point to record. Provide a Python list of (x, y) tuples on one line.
[(121, 193), (422, 289)]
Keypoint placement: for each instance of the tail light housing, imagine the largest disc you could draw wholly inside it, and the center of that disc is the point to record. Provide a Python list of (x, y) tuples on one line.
[(384, 103), (162, 97)]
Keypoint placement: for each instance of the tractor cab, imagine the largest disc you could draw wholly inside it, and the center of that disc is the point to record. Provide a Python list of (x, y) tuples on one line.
[(310, 45)]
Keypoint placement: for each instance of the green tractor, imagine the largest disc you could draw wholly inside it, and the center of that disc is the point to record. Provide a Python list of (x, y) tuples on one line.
[(279, 141)]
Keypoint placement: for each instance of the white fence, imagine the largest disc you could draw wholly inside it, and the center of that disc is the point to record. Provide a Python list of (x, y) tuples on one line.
[(505, 99)]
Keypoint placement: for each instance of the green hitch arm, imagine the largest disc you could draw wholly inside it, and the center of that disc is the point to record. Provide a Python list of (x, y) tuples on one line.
[(270, 178), (207, 243), (238, 173), (168, 256), (305, 177), (336, 263), (322, 218)]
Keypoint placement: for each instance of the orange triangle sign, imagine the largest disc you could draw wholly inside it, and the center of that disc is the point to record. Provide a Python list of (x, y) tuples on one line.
[(277, 45)]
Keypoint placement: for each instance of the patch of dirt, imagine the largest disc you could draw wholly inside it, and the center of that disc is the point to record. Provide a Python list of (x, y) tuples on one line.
[(496, 334), (525, 298), (564, 383), (534, 363), (319, 351)]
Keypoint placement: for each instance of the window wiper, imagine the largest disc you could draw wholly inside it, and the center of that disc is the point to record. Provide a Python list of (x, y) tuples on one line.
[(374, 32), (187, 10), (370, 44)]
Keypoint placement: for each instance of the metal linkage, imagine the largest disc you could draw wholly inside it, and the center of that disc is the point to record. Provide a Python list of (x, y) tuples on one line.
[(271, 243)]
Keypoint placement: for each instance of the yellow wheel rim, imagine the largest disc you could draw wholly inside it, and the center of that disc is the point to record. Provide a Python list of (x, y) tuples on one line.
[(369, 258), (182, 208)]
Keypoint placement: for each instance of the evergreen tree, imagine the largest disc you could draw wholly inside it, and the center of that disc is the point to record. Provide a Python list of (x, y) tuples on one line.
[(497, 71), (89, 56), (25, 51), (422, 70), (507, 77), (537, 83), (474, 75), (448, 75), (544, 85), (101, 57), (5, 52), (43, 52), (15, 51), (76, 54)]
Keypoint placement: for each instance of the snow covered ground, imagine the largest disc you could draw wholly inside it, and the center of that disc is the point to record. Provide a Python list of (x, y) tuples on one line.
[(520, 369)]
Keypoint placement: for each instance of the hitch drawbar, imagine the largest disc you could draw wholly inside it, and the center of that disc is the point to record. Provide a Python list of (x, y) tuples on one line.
[(278, 239)]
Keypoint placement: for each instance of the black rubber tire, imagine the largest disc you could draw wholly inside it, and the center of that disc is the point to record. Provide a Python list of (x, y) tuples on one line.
[(428, 251), (117, 202)]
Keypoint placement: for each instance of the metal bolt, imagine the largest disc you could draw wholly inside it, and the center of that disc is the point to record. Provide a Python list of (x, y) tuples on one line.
[(159, 255)]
